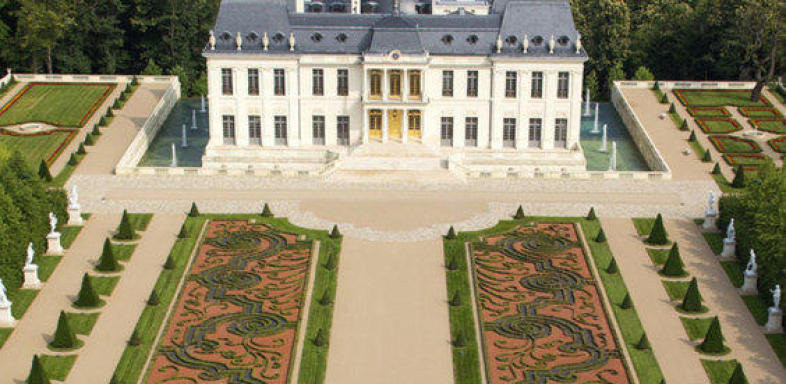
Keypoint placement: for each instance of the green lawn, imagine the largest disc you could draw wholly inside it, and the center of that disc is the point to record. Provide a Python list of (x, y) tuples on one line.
[(771, 125), (757, 307), (5, 333), (708, 112), (123, 252), (658, 256), (140, 221), (718, 98), (733, 271), (57, 367), (719, 371), (38, 147), (778, 343), (105, 285), (696, 328), (760, 112), (715, 241), (82, 323), (643, 225), (68, 235), (62, 105), (733, 144), (676, 289), (717, 125)]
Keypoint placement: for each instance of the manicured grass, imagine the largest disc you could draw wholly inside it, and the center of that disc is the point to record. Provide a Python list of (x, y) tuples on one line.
[(123, 252), (22, 300), (696, 328), (676, 119), (57, 367), (724, 185), (718, 98), (733, 144), (68, 235), (676, 289), (708, 112), (46, 266), (757, 306), (718, 125), (5, 333), (733, 271), (140, 221), (35, 148), (643, 225), (745, 159), (719, 371), (61, 178), (62, 105), (715, 241), (82, 323), (12, 83), (770, 125), (760, 112), (105, 285), (658, 256), (778, 343)]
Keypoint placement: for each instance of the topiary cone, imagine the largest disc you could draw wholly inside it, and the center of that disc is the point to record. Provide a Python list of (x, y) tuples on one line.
[(672, 108), (739, 178), (334, 233), (81, 149), (43, 171), (612, 268), (89, 140), (455, 300), (658, 234), (520, 214), (591, 215), (266, 212), (72, 160), (107, 262), (692, 136), (37, 373), (713, 341), (331, 262), (674, 266), (707, 156), (644, 343), (320, 339), (95, 131), (451, 233), (716, 169), (601, 237), (183, 234), (738, 376), (692, 300), (452, 264), (64, 337), (169, 263), (153, 300), (194, 212), (325, 300), (135, 339), (684, 125), (460, 341), (664, 99), (87, 294), (125, 231), (627, 302)]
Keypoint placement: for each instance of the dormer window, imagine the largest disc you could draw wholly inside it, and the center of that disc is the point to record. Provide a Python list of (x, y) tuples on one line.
[(447, 39), (226, 35), (278, 37), (563, 40), (253, 36), (537, 41), (341, 37), (472, 39), (316, 37), (511, 40)]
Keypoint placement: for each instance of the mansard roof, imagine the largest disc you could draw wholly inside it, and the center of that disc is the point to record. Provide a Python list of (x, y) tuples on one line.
[(343, 33)]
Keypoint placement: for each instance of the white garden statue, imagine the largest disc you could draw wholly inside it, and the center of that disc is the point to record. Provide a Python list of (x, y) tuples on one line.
[(731, 234), (31, 270), (774, 313), (6, 318), (751, 276), (74, 208), (52, 222), (710, 215), (776, 296), (30, 255), (53, 246), (730, 242), (752, 267), (3, 297)]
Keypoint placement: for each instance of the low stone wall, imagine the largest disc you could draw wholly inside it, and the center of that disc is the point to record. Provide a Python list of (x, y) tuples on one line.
[(138, 146), (74, 78), (686, 84), (637, 131)]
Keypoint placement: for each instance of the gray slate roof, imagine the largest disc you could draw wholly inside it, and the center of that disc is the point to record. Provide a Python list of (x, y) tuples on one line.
[(340, 33)]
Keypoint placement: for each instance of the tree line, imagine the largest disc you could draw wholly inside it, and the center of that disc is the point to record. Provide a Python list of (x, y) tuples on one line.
[(643, 39)]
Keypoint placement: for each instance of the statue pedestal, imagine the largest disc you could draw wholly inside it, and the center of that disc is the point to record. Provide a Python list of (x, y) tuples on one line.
[(774, 321), (749, 284), (709, 220), (31, 277), (75, 216), (729, 249), (6, 318), (53, 246)]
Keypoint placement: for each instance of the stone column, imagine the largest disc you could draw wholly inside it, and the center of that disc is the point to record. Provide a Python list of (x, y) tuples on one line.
[(774, 320), (550, 97), (404, 84), (53, 247), (31, 277), (384, 84), (404, 125), (729, 249), (384, 125), (495, 116), (6, 318), (749, 283)]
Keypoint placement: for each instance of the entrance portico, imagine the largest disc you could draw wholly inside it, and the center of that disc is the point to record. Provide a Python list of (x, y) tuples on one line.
[(392, 123)]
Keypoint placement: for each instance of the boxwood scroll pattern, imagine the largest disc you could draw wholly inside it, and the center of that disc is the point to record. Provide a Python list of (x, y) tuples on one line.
[(542, 318), (237, 316)]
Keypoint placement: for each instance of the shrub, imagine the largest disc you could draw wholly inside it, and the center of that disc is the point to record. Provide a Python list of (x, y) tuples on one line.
[(692, 137), (738, 376), (692, 300), (684, 125), (644, 343), (325, 300), (591, 215), (183, 234), (627, 302), (194, 212), (87, 297), (109, 113), (643, 74), (64, 337), (612, 268), (37, 373), (95, 131), (170, 263), (266, 212), (664, 99), (89, 140), (656, 86), (125, 231), (455, 300), (673, 266), (713, 341), (519, 214), (153, 300), (672, 108), (658, 235), (739, 178), (716, 169), (135, 339), (452, 264), (320, 340), (81, 150), (43, 171), (451, 233), (107, 262), (460, 341), (334, 233), (331, 262), (134, 81), (72, 160), (102, 121), (601, 237), (707, 156)]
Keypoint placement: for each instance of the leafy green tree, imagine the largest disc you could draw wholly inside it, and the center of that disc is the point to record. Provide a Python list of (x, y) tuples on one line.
[(643, 74), (673, 266), (42, 23), (591, 83), (107, 262), (266, 212), (43, 171), (616, 73), (658, 235), (739, 177), (334, 233), (37, 373), (519, 214), (451, 233), (713, 341), (152, 69), (87, 297), (64, 337)]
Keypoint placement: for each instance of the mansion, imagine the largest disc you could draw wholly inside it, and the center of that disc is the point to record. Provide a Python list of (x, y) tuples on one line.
[(484, 83)]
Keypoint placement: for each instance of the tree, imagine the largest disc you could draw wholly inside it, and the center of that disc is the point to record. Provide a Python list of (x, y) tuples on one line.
[(125, 231), (673, 266), (43, 171), (64, 337), (170, 262), (601, 237), (325, 300), (42, 23), (612, 268), (107, 262), (716, 169), (672, 108), (72, 160), (519, 214), (644, 343), (643, 74), (739, 178), (152, 69), (707, 158), (451, 233), (692, 300), (455, 300), (627, 302), (713, 341), (81, 150), (692, 137), (684, 125), (615, 74), (194, 212), (266, 212), (605, 31), (591, 215), (738, 376), (334, 233), (320, 340), (87, 297), (658, 235), (591, 83), (37, 373)]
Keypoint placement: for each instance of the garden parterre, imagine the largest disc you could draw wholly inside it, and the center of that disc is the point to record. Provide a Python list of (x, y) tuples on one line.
[(734, 144), (712, 125), (719, 98), (67, 105), (777, 126)]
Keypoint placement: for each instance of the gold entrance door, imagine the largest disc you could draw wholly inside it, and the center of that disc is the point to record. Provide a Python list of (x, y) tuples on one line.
[(414, 119), (394, 124), (374, 124)]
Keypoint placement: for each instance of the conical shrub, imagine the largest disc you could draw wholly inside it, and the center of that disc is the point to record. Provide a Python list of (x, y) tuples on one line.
[(451, 233), (183, 234), (664, 99), (612, 268), (713, 341), (87, 297), (72, 160), (81, 149), (674, 267), (707, 156), (170, 263), (102, 121), (96, 131), (627, 302), (153, 300), (452, 264), (591, 215), (109, 113), (266, 212), (331, 262), (334, 233), (194, 212), (684, 125), (738, 376), (455, 300), (89, 140), (320, 339), (692, 137), (37, 373), (739, 178), (692, 300), (644, 343), (43, 171), (107, 262), (672, 108), (125, 231), (655, 86), (325, 300), (64, 337), (601, 237), (460, 341), (716, 169), (135, 339), (520, 214), (658, 235)]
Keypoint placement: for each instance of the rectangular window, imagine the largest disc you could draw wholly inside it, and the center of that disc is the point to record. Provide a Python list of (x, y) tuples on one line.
[(414, 83), (446, 132), (342, 130), (253, 81), (317, 82), (561, 133), (537, 85), (228, 122), (413, 119), (342, 82), (395, 84), (280, 125), (471, 132), (226, 81), (535, 128), (511, 82), (562, 85), (509, 132), (472, 83), (375, 84), (279, 82), (254, 130), (318, 125), (447, 83)]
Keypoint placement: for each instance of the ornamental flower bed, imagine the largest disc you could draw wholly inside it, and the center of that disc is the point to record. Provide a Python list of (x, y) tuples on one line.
[(65, 105), (40, 145), (770, 125), (778, 144), (733, 144), (719, 98), (745, 159), (718, 125), (760, 112), (708, 112)]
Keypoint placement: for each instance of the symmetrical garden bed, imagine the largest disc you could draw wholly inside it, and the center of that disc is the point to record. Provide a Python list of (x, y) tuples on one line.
[(744, 159), (541, 312), (770, 125), (778, 144), (760, 112), (712, 125), (708, 112), (60, 104), (733, 144), (237, 316), (38, 146), (719, 98)]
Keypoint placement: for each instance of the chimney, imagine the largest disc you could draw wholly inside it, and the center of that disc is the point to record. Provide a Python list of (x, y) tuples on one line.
[(355, 6)]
